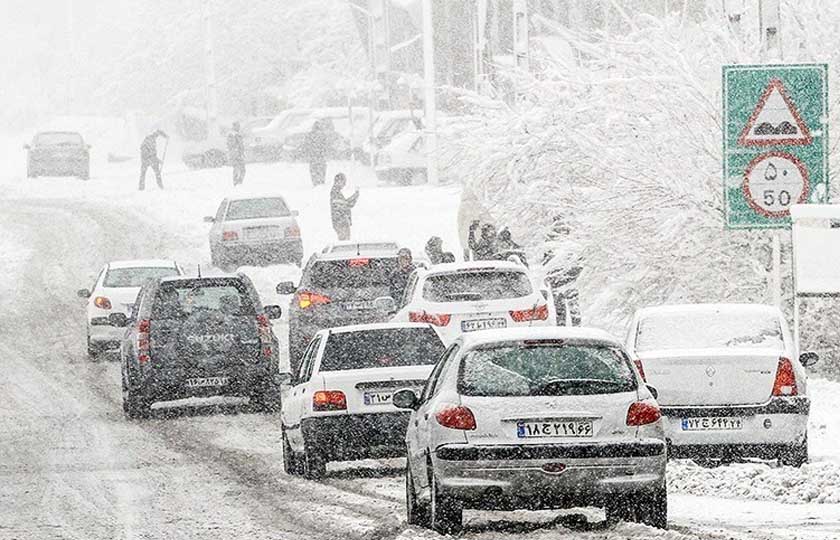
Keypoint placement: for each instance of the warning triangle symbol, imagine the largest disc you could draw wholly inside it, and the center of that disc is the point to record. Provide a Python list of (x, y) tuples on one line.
[(775, 120)]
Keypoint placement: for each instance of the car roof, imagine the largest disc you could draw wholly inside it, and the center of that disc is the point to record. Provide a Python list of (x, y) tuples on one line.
[(214, 277), (700, 308), (143, 263), (58, 132), (569, 333), (256, 196), (475, 265), (375, 326), (350, 250)]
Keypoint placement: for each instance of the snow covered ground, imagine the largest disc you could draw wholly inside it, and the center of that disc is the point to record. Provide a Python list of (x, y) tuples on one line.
[(72, 467)]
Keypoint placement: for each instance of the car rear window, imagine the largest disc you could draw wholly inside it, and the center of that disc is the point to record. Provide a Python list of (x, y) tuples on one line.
[(545, 369), (49, 139), (257, 208), (356, 273), (393, 347), (474, 285), (135, 277), (713, 329), (180, 300)]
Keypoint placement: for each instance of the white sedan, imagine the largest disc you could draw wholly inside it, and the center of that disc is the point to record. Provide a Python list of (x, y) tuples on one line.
[(479, 295), (730, 380), (115, 291)]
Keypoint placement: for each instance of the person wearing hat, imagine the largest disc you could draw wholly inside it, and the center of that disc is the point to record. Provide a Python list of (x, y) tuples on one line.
[(341, 207), (398, 278)]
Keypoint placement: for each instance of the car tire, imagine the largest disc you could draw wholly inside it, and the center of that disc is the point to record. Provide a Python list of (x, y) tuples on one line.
[(416, 512), (291, 465), (136, 405), (648, 508), (795, 455), (446, 513), (314, 464)]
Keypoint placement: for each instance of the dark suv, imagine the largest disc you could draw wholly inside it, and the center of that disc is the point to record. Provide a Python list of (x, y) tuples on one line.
[(337, 288), (198, 337)]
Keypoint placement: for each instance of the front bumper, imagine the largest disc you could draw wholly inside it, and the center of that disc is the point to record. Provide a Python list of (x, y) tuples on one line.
[(549, 476), (357, 436)]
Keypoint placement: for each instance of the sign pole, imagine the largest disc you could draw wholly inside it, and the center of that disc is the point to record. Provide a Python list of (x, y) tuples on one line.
[(777, 268)]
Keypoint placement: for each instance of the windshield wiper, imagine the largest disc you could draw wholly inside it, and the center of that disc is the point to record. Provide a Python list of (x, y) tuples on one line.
[(573, 384)]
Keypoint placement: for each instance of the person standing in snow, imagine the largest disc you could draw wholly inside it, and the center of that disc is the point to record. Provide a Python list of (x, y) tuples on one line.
[(341, 207), (236, 153), (434, 250), (483, 248), (398, 278), (562, 265), (315, 147), (149, 158)]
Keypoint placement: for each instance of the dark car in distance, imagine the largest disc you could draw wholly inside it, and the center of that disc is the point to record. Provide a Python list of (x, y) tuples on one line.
[(58, 153)]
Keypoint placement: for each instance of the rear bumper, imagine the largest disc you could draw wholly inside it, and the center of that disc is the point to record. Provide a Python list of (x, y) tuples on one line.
[(100, 332), (780, 421), (171, 384), (359, 436), (261, 252), (549, 476)]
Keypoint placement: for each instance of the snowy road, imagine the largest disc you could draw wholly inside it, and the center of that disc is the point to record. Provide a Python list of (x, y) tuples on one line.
[(72, 467)]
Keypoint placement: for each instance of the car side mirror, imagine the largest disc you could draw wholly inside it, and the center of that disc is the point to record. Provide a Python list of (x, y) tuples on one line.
[(653, 391), (808, 359), (83, 293), (118, 320), (273, 312), (406, 399), (385, 304), (295, 213), (285, 288), (209, 219)]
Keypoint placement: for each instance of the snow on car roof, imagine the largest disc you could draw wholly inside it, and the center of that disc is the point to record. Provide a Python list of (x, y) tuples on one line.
[(374, 326), (697, 308), (574, 333), (143, 263), (475, 265), (253, 196), (343, 250)]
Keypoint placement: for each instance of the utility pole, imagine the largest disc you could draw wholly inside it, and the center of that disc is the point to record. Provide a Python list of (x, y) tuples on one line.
[(734, 9), (430, 114), (212, 100), (522, 59)]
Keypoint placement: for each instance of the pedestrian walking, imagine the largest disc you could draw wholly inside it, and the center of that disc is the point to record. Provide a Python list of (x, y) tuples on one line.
[(149, 158), (398, 278), (315, 148), (236, 153), (341, 207)]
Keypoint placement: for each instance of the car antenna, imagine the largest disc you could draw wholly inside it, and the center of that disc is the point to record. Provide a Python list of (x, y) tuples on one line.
[(199, 270), (358, 249)]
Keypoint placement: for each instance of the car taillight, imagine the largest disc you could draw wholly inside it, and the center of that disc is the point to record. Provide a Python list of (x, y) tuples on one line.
[(102, 302), (785, 383), (329, 400), (539, 313), (641, 369), (264, 329), (356, 263), (438, 319), (642, 413), (307, 299), (293, 231), (230, 235), (456, 418), (143, 341)]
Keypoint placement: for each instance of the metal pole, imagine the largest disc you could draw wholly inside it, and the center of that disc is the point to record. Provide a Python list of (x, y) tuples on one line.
[(430, 115), (777, 269)]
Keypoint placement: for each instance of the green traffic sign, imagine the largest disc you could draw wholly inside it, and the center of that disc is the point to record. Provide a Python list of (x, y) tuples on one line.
[(775, 142)]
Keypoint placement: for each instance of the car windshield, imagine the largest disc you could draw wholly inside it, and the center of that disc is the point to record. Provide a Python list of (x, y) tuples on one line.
[(257, 208), (179, 300), (712, 329), (135, 277), (475, 285), (63, 139), (545, 368), (393, 347), (355, 273)]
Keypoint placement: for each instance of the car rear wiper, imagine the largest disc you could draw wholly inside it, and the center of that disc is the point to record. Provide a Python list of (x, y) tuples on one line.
[(563, 384)]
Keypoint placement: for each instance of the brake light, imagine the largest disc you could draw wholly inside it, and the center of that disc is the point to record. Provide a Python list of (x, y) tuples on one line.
[(306, 299), (785, 383), (143, 341), (430, 318), (457, 417), (230, 235), (641, 369), (293, 231), (642, 413), (102, 302), (264, 329), (539, 313), (329, 400), (355, 263)]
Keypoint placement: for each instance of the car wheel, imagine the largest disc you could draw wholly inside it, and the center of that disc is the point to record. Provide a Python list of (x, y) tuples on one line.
[(649, 508), (314, 464), (136, 405), (446, 514), (416, 512), (290, 460), (795, 455)]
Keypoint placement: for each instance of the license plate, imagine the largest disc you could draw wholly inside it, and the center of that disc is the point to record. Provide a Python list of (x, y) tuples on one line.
[(482, 324), (207, 381), (378, 398), (707, 423), (560, 428), (358, 305), (260, 233)]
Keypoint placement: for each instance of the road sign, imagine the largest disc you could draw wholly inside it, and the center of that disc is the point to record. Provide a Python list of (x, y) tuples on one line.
[(775, 142)]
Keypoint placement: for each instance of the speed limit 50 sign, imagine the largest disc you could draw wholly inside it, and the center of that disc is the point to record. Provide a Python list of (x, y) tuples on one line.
[(775, 142)]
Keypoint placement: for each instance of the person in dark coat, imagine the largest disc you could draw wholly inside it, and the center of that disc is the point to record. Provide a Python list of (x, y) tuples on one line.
[(434, 250), (236, 153), (341, 207), (483, 248), (398, 279), (315, 148), (149, 158)]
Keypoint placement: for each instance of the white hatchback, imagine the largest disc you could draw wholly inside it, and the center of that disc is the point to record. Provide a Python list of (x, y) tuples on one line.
[(478, 295), (730, 380), (115, 291), (339, 407)]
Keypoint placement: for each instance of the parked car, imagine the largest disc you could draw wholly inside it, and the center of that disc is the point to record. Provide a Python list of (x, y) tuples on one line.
[(267, 141), (253, 149), (198, 337), (389, 124), (534, 418), (115, 291), (339, 407), (478, 295), (254, 230), (403, 160), (730, 378), (58, 153), (338, 287)]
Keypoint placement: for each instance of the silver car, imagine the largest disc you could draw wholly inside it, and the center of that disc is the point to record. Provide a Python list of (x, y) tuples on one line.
[(534, 418)]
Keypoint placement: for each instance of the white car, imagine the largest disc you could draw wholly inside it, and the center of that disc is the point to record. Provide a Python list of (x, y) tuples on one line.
[(339, 407), (478, 295), (115, 291), (402, 161), (729, 377), (534, 418)]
